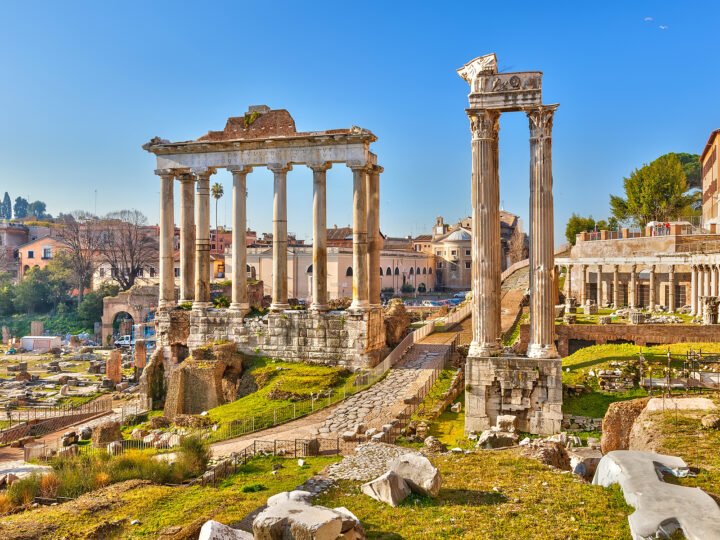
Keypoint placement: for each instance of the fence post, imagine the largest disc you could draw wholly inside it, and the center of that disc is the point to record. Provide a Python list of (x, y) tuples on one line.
[(294, 410), (275, 447)]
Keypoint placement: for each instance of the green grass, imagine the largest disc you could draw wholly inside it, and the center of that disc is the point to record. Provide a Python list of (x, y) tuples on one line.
[(595, 404), (442, 385), (279, 384), (493, 495), (160, 507), (449, 427)]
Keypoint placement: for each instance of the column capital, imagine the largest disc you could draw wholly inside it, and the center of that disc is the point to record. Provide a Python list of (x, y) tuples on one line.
[(280, 168), (240, 169), (185, 176), (484, 124), (378, 169), (166, 172), (319, 166), (359, 165), (204, 172), (616, 267), (541, 120)]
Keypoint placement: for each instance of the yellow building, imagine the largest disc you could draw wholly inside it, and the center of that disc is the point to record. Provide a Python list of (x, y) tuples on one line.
[(710, 169)]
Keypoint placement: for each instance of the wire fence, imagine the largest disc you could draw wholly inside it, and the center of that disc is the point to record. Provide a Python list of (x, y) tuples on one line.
[(694, 371)]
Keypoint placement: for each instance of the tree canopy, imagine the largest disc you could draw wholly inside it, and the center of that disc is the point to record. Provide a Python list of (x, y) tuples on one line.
[(20, 209), (6, 207), (656, 192)]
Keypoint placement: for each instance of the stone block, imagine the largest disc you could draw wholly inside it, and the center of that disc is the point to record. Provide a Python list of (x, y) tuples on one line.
[(570, 318), (506, 422), (456, 407), (591, 309), (106, 433), (605, 319), (584, 461), (296, 520), (421, 476), (296, 496), (491, 438), (115, 448), (214, 530), (390, 488)]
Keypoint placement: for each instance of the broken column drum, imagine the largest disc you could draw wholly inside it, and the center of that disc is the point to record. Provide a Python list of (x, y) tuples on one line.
[(529, 387), (268, 138)]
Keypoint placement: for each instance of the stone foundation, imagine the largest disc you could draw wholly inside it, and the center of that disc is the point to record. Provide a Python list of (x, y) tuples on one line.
[(339, 338), (529, 388)]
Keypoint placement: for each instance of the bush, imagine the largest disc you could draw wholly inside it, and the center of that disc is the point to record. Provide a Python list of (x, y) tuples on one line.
[(252, 488), (49, 484), (24, 491), (221, 302), (194, 455), (5, 504), (407, 288)]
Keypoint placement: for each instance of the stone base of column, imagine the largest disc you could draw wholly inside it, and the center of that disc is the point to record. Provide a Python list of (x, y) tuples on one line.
[(186, 300), (279, 307), (166, 304), (478, 350), (201, 305), (319, 307), (536, 350), (359, 306), (237, 306)]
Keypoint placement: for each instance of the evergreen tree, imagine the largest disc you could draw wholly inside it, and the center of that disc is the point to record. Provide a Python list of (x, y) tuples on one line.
[(6, 207), (20, 209)]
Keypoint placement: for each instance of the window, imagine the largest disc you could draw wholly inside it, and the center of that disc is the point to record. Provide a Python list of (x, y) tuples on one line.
[(453, 252), (348, 272), (429, 270), (397, 271), (388, 271), (439, 265), (438, 253), (47, 253), (411, 271), (101, 272), (467, 265), (177, 272), (31, 254), (467, 252), (140, 272), (381, 273), (424, 270), (417, 270)]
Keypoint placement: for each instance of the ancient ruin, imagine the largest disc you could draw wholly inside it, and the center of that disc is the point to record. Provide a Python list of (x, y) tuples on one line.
[(267, 138), (528, 387)]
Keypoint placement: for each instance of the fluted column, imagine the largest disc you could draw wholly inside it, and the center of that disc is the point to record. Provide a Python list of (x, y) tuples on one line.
[(694, 274), (187, 238), (651, 299), (319, 277), (373, 230), (583, 285), (202, 239), (568, 280), (167, 232), (280, 240), (671, 289), (632, 296), (360, 300), (599, 286), (239, 238), (713, 281), (616, 286), (542, 310), (706, 280), (486, 264)]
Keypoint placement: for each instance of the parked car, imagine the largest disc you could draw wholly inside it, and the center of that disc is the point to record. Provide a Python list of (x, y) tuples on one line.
[(461, 294), (123, 341)]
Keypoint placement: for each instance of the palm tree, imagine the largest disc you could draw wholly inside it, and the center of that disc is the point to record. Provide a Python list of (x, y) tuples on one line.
[(216, 191)]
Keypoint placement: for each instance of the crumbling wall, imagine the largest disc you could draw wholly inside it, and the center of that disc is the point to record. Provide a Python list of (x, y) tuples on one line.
[(152, 380)]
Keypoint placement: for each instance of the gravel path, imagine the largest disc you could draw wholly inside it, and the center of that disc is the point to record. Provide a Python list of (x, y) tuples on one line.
[(369, 461)]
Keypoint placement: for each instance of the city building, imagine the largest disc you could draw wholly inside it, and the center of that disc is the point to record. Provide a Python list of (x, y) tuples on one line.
[(38, 253), (710, 170)]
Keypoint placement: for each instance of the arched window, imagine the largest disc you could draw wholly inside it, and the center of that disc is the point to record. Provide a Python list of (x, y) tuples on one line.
[(417, 270), (388, 272), (424, 270), (348, 272), (430, 270), (381, 274), (411, 270), (309, 269), (397, 271)]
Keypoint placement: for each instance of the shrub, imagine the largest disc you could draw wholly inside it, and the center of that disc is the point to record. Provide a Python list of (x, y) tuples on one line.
[(194, 455), (49, 484), (221, 302), (102, 479), (252, 488), (407, 288), (185, 306), (25, 490), (5, 504)]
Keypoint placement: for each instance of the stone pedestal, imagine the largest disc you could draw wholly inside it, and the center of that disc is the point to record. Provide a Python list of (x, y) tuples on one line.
[(140, 353), (636, 317), (570, 318), (113, 367), (528, 388), (605, 319), (591, 309), (709, 307)]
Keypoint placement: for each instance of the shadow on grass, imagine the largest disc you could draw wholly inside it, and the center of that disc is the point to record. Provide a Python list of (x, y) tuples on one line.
[(595, 404), (456, 497)]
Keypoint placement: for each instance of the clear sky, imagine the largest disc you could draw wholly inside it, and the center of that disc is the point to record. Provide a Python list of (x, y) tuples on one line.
[(84, 84)]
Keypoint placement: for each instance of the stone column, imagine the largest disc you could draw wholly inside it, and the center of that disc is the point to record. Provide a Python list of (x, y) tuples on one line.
[(373, 231), (671, 289), (187, 238), (542, 311), (167, 233), (583, 285), (693, 289), (202, 239), (599, 286), (706, 280), (239, 238), (319, 277), (360, 300), (651, 296), (713, 281), (280, 240), (616, 286), (568, 280), (485, 240), (632, 296)]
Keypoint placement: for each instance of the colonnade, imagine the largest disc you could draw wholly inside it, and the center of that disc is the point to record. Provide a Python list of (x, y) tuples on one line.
[(486, 263), (195, 236), (703, 282)]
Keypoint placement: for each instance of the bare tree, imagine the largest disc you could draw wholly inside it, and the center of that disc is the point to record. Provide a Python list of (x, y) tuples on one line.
[(80, 234), (128, 246), (517, 246)]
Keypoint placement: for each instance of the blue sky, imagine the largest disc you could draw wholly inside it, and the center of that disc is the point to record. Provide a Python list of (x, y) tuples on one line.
[(84, 84)]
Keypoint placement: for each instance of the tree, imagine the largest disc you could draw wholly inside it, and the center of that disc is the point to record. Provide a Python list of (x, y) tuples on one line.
[(31, 293), (692, 167), (37, 209), (128, 246), (91, 309), (217, 191), (81, 235), (20, 209), (6, 207), (517, 246), (655, 192), (577, 224)]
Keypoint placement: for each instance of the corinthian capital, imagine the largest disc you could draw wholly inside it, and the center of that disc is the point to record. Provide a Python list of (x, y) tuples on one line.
[(541, 120), (484, 124)]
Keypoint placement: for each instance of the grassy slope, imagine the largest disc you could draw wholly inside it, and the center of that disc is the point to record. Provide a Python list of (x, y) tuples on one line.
[(275, 375), (157, 507), (478, 500)]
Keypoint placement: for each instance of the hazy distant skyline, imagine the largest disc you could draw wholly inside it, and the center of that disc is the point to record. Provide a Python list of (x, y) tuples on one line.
[(85, 84)]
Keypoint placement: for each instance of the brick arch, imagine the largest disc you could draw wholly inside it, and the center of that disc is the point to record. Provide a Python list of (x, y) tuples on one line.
[(132, 302)]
